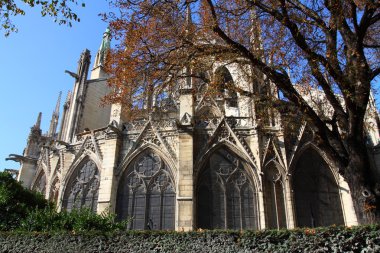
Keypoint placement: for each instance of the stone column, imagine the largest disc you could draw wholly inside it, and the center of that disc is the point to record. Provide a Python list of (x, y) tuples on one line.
[(27, 172), (108, 187), (185, 216), (289, 210), (349, 214)]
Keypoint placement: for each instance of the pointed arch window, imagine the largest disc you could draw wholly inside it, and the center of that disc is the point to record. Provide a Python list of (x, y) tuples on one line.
[(274, 200), (83, 187), (226, 196), (147, 194), (226, 84), (316, 192), (40, 183)]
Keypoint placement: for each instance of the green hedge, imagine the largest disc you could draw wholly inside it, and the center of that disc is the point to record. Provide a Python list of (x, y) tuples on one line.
[(332, 239)]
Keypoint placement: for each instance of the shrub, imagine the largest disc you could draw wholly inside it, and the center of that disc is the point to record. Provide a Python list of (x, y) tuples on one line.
[(16, 202), (77, 220), (332, 239)]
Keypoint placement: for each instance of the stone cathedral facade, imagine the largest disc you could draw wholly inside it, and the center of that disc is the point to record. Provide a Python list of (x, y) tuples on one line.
[(196, 162)]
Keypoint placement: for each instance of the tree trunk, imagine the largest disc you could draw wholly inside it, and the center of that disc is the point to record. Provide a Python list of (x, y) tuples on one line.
[(362, 183)]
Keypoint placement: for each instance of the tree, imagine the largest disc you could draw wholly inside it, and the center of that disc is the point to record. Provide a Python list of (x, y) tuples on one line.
[(16, 202), (330, 47), (61, 11)]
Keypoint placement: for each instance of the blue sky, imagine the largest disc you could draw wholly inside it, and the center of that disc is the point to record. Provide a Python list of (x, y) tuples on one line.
[(32, 68)]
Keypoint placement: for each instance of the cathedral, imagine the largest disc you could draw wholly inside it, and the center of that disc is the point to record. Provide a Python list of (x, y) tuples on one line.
[(197, 162)]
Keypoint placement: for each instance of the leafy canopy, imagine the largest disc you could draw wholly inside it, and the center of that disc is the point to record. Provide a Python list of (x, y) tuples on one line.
[(16, 202), (60, 10)]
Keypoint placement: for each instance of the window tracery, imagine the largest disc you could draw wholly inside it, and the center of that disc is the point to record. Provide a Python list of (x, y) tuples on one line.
[(40, 184), (274, 199), (226, 197), (146, 194), (83, 187)]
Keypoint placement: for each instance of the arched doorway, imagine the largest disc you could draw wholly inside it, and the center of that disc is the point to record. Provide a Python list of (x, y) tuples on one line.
[(83, 187), (146, 194), (316, 192), (226, 196), (274, 200)]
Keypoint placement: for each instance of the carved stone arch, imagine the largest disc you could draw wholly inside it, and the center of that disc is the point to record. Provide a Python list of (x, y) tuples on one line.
[(81, 184), (273, 182), (131, 156), (249, 165), (226, 193), (224, 81), (146, 192), (85, 155), (208, 111), (315, 185), (224, 68), (311, 145)]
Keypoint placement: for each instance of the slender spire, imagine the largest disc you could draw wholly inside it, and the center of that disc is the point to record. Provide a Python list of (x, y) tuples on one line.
[(54, 118), (255, 38), (56, 111), (189, 20), (38, 122), (104, 47), (68, 98)]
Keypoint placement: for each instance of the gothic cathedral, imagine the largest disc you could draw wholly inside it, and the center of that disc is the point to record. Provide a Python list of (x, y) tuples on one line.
[(196, 162)]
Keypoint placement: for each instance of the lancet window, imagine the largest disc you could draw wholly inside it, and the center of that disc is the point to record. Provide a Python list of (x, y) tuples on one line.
[(83, 187), (146, 194), (226, 196), (274, 200)]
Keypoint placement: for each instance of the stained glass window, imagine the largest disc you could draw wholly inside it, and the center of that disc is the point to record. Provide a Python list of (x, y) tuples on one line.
[(274, 198), (146, 194), (226, 197), (83, 187)]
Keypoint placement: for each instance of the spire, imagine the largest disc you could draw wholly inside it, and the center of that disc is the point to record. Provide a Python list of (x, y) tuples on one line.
[(189, 20), (38, 122), (98, 71), (68, 98), (54, 118), (255, 38), (56, 111), (104, 47)]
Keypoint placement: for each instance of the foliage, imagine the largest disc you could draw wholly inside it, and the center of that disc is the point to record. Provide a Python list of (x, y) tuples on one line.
[(326, 49), (77, 220), (332, 239), (16, 202), (61, 11)]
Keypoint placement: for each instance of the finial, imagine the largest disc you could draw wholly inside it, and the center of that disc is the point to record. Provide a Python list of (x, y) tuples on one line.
[(189, 20), (68, 97), (54, 117), (38, 122), (57, 106)]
